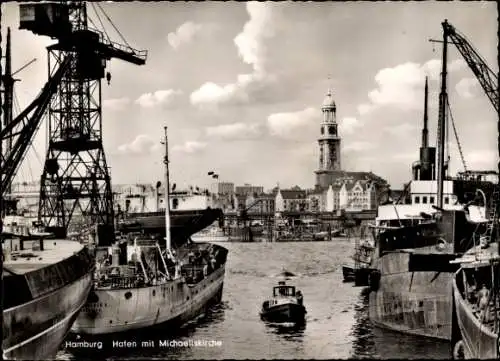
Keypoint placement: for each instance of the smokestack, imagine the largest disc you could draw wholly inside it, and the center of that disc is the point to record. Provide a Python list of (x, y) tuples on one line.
[(425, 131)]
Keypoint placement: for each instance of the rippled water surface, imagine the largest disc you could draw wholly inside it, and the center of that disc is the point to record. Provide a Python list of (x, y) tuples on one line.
[(337, 324)]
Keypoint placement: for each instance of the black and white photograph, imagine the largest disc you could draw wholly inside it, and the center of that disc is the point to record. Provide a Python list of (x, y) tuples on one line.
[(184, 180)]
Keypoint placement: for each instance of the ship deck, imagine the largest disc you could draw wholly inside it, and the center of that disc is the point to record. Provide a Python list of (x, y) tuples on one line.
[(31, 259)]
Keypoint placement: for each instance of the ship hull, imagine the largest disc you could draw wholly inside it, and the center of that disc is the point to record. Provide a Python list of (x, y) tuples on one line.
[(183, 223), (47, 330), (414, 302), (169, 305), (348, 273), (288, 312), (478, 341)]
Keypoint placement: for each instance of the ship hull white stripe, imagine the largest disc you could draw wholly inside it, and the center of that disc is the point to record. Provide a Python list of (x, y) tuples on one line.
[(44, 345)]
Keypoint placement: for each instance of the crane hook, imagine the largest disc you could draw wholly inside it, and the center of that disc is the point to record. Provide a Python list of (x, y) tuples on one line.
[(108, 77)]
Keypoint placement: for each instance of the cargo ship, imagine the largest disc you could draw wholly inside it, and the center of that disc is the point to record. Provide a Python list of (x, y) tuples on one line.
[(46, 282), (141, 283), (190, 212), (412, 281)]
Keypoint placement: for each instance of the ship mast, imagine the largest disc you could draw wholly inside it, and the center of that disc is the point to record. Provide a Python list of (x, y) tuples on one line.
[(167, 196), (1, 195), (443, 101), (8, 86), (497, 205)]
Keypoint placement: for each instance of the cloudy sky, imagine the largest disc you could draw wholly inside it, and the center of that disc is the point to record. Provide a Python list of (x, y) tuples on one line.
[(240, 87)]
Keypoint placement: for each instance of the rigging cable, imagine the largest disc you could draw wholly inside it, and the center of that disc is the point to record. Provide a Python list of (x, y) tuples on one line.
[(100, 21), (459, 146), (113, 25), (30, 176)]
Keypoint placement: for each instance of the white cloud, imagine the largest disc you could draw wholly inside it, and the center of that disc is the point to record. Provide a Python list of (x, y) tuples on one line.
[(116, 104), (403, 129), (348, 125), (250, 41), (210, 94), (365, 108), (480, 158), (358, 146), (405, 156), (184, 34), (465, 87), (432, 68), (234, 131), (142, 144), (286, 124), (251, 48), (190, 147), (402, 85), (149, 100)]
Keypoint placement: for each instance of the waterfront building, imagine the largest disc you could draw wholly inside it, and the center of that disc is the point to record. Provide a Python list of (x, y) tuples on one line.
[(222, 188), (291, 200), (248, 189)]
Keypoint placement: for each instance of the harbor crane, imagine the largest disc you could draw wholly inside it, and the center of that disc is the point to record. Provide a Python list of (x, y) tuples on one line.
[(75, 174), (489, 82), (483, 73)]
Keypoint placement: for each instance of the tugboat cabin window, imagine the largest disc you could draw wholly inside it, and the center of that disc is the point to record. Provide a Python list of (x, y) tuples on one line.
[(431, 200), (446, 200), (417, 200), (424, 200), (284, 291)]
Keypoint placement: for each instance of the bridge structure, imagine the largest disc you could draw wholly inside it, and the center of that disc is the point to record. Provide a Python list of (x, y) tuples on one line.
[(321, 216)]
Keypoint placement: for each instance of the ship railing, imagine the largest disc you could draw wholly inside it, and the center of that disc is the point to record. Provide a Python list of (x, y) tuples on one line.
[(115, 282), (195, 273)]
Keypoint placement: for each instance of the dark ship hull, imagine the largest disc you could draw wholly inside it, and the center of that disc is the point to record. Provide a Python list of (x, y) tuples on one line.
[(349, 273), (183, 223), (479, 342), (42, 304), (288, 312), (475, 322), (411, 288)]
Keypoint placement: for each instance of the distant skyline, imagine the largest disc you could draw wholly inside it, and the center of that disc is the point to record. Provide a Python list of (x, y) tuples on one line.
[(240, 87)]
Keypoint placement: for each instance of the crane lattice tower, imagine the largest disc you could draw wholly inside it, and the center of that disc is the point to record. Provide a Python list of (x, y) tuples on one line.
[(75, 176)]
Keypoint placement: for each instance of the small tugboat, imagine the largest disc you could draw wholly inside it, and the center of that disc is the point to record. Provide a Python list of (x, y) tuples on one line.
[(286, 305)]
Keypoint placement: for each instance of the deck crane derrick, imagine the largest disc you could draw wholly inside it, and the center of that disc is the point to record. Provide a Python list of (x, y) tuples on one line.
[(75, 175), (485, 76), (489, 82)]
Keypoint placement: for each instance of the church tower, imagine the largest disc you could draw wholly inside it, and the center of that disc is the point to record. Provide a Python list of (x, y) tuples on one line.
[(329, 140), (329, 144)]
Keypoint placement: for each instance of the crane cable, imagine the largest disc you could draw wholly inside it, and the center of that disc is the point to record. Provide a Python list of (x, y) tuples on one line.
[(100, 22), (17, 108), (456, 136), (113, 25)]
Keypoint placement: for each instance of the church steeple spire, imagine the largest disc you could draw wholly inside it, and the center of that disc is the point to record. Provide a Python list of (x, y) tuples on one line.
[(329, 140)]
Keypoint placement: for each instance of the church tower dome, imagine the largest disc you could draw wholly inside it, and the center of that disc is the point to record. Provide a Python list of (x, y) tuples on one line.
[(329, 102)]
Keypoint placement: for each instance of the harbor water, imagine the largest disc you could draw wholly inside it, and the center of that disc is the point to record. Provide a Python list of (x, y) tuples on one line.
[(337, 324)]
